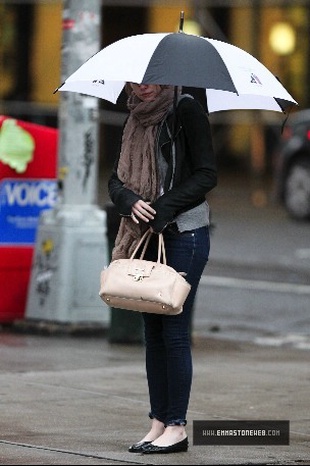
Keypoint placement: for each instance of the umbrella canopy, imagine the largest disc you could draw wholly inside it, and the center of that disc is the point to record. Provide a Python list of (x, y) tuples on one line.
[(232, 78)]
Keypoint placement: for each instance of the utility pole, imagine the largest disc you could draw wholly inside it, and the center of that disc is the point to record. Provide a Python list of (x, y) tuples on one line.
[(71, 245)]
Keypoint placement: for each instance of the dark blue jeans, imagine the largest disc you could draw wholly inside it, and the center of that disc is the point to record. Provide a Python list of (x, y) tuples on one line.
[(167, 338)]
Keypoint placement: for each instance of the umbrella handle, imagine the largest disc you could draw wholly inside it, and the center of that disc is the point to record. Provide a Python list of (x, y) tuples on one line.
[(175, 103), (181, 21), (176, 87)]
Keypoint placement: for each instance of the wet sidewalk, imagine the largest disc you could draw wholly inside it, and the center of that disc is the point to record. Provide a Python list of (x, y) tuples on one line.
[(81, 400)]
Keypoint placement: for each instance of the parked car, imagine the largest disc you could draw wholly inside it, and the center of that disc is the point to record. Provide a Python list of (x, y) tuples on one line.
[(292, 166)]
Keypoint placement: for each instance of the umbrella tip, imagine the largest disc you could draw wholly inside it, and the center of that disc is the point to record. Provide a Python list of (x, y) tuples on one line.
[(181, 21), (57, 88)]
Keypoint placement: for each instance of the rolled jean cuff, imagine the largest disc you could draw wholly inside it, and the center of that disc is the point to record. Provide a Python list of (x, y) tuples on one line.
[(176, 422), (153, 416)]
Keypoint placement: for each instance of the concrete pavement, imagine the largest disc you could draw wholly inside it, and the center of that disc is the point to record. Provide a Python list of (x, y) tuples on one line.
[(81, 400)]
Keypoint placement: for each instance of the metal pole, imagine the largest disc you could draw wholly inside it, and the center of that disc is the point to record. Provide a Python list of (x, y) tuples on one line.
[(71, 246), (78, 115)]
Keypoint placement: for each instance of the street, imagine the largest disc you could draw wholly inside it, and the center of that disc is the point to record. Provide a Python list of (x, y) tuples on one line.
[(256, 286)]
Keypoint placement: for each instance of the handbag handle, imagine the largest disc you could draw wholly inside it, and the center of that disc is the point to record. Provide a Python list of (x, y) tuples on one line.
[(161, 249), (161, 252)]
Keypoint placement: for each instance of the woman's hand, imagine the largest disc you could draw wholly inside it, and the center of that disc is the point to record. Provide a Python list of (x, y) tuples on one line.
[(142, 210)]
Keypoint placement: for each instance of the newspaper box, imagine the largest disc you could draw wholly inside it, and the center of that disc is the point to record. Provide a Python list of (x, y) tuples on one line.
[(28, 185)]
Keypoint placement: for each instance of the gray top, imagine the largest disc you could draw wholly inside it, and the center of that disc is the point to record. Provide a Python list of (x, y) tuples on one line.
[(194, 218)]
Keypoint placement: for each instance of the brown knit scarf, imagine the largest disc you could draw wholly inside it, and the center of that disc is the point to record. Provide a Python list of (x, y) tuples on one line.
[(137, 167)]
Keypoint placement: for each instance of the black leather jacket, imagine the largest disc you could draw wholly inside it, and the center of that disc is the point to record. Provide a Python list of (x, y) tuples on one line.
[(191, 169)]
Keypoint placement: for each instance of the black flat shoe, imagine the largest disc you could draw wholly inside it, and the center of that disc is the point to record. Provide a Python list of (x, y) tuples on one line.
[(174, 448), (138, 447)]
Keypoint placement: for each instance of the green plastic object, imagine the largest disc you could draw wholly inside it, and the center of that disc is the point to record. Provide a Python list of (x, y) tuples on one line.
[(16, 146)]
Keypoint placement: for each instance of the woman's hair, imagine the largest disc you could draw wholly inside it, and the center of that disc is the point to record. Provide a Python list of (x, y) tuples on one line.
[(128, 89)]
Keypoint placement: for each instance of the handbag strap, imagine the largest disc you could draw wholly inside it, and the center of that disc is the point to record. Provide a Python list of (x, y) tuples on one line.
[(146, 236), (161, 249), (161, 252), (146, 244)]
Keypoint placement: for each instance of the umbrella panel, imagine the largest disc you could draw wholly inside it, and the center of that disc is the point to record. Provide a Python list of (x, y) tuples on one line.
[(188, 60)]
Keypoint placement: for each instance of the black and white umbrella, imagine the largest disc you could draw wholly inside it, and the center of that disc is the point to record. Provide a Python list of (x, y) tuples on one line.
[(232, 78)]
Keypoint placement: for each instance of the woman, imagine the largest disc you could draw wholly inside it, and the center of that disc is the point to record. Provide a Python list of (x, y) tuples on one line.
[(161, 185)]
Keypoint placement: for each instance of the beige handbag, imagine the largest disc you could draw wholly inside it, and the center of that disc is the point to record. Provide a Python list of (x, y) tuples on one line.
[(144, 286)]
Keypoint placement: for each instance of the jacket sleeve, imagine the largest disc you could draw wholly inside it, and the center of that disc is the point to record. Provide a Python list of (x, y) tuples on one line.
[(196, 170), (122, 197)]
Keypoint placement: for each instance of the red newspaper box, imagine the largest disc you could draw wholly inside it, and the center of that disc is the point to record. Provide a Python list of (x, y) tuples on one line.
[(28, 185)]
